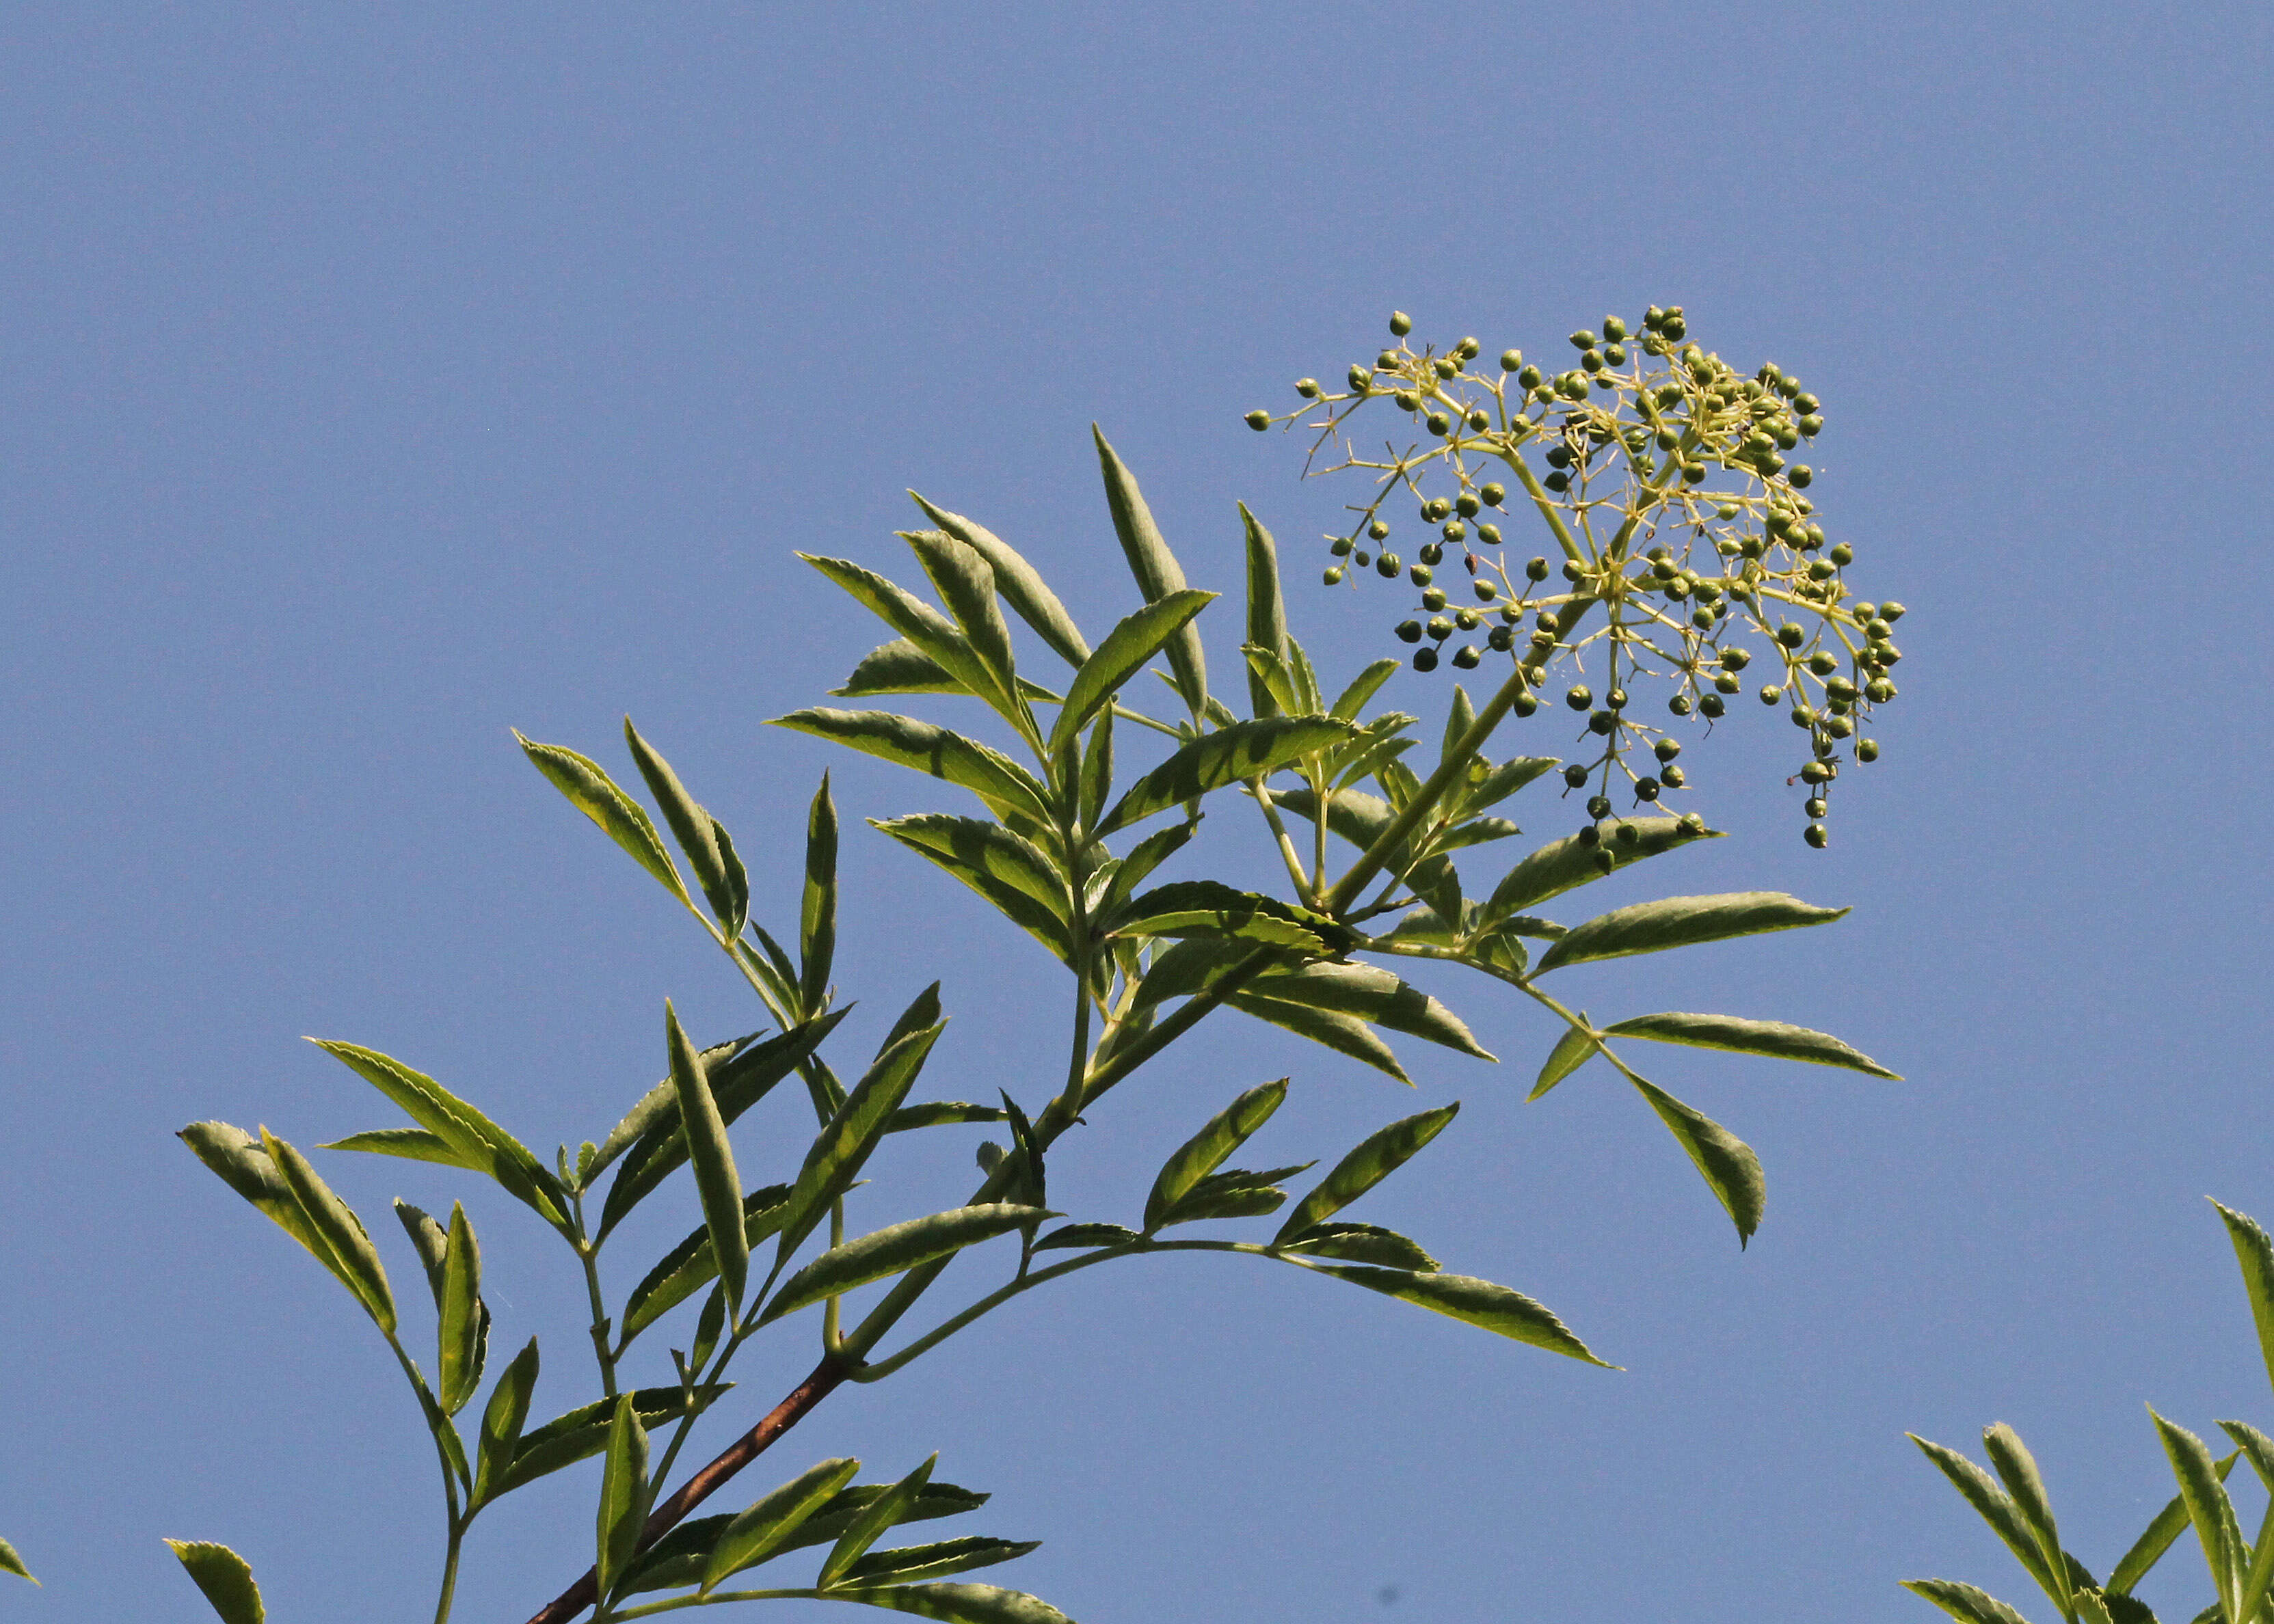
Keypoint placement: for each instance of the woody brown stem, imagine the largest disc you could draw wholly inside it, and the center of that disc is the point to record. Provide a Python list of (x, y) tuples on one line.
[(784, 1416)]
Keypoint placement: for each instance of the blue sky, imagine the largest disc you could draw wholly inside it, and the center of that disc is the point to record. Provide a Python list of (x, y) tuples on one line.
[(379, 379)]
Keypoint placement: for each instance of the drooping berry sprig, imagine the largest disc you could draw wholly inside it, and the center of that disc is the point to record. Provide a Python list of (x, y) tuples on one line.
[(1659, 470)]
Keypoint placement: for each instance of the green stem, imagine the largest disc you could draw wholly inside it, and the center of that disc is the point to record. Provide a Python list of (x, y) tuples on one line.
[(1279, 832), (588, 1253), (450, 1570), (651, 1608)]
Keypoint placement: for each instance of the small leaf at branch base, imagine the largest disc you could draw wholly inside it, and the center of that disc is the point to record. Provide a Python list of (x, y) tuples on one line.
[(1085, 1235), (818, 919), (594, 793), (1726, 1162), (936, 1560), (712, 1158), (225, 1577), (622, 1511), (501, 1423), (1235, 1192), (894, 1250), (1772, 1038), (870, 1522), (1479, 1303), (1572, 1050), (1203, 1153)]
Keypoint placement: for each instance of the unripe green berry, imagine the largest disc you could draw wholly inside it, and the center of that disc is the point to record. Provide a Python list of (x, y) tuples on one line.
[(1340, 547), (1432, 552), (1710, 707), (1258, 420), (1843, 554), (1838, 726), (1536, 570), (1816, 772), (1468, 619), (1601, 721), (1576, 776), (1737, 657), (1453, 530), (1378, 530), (1877, 630), (1361, 381), (1672, 778), (1590, 834), (1425, 659), (1812, 425), (1817, 837), (1487, 591), (1816, 806), (1434, 510), (1645, 789), (1480, 419), (1433, 598), (1679, 704), (1529, 378), (1824, 662), (1407, 401), (1465, 656), (1867, 749), (1468, 349), (1445, 367), (1387, 360), (1580, 697), (1770, 693), (1388, 566), (1440, 425), (1334, 575), (1440, 627), (1804, 716), (1409, 631), (1692, 824), (1583, 340), (1307, 388), (1801, 401), (1891, 612), (1802, 476), (1488, 534), (1792, 634), (1501, 639), (1400, 323), (1629, 835), (1525, 704), (1510, 359)]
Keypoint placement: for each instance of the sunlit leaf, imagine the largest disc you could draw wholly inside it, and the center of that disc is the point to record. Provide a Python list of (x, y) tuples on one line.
[(2255, 1252), (1995, 1507), (1565, 864), (1963, 1602), (966, 584), (1081, 1237), (1006, 787), (835, 1158), (1727, 1163), (1229, 755), (764, 1529), (1360, 1243), (11, 1563), (1573, 1049), (1683, 922), (1373, 993), (894, 1250), (347, 1248), (1203, 1153), (593, 793), (1345, 1034), (1234, 1192), (691, 1265), (1154, 568), (870, 1524), (958, 1603), (1022, 588), (582, 1433), (696, 832), (223, 1576), (1013, 873), (936, 1560), (1137, 639), (502, 1419), (717, 1183), (463, 1332), (1210, 909), (1374, 1158), (1772, 1038), (622, 1511), (1479, 1303)]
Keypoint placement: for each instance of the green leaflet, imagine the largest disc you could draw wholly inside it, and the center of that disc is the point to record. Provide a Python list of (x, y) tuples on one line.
[(1994, 1506), (680, 1556), (930, 631), (1562, 865), (2260, 1573), (1683, 922), (1271, 683), (1370, 993), (897, 667), (1154, 568), (1963, 1602), (1144, 857), (2254, 1252), (1138, 638), (411, 1144), (429, 1239), (1474, 1302), (1203, 1153), (894, 1250), (941, 1113), (462, 1332), (347, 1249), (1235, 1192), (834, 1159), (717, 1183), (1209, 909), (594, 793), (764, 1529), (966, 584), (958, 1604), (1096, 781), (1375, 1158), (1728, 1164), (1352, 699), (870, 1524), (935, 1560), (1267, 610), (1084, 1236), (582, 1433), (736, 1085), (223, 1576), (1361, 1243), (1773, 1038), (1231, 755), (1572, 1050), (481, 1145), (2025, 1488), (1013, 873), (501, 1423), (1007, 788), (1022, 588), (2208, 1509), (727, 891), (691, 1265), (1505, 779), (643, 1116), (238, 1160), (622, 1510), (817, 937), (1345, 1034), (11, 1563), (2156, 1537)]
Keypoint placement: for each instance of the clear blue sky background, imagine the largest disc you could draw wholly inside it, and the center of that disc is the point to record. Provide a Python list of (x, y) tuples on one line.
[(376, 379)]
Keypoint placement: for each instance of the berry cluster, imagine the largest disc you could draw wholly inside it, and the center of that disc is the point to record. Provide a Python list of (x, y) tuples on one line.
[(1660, 472)]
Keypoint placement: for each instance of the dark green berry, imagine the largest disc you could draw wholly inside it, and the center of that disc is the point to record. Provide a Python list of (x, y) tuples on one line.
[(1307, 388), (1409, 631), (1378, 530), (1680, 705), (1645, 789), (1824, 662), (1420, 575), (1590, 835), (1791, 635), (1580, 697), (1258, 420), (1501, 639), (1433, 599), (1710, 707), (1468, 619), (1801, 475), (1816, 806), (1593, 361), (1815, 836), (1666, 749), (1388, 566), (1770, 693), (1525, 704), (1453, 530), (1672, 778), (1576, 776), (1599, 805), (1838, 726), (1629, 835), (1616, 699), (1583, 340), (1440, 425), (1878, 690), (1432, 552), (1529, 378), (1407, 401), (1488, 534), (1487, 591), (1466, 657), (1340, 547), (1333, 577), (1510, 359), (1867, 749), (1400, 323), (1557, 481), (1804, 716), (1601, 722), (1434, 510), (1891, 612), (1362, 558), (1727, 682)]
